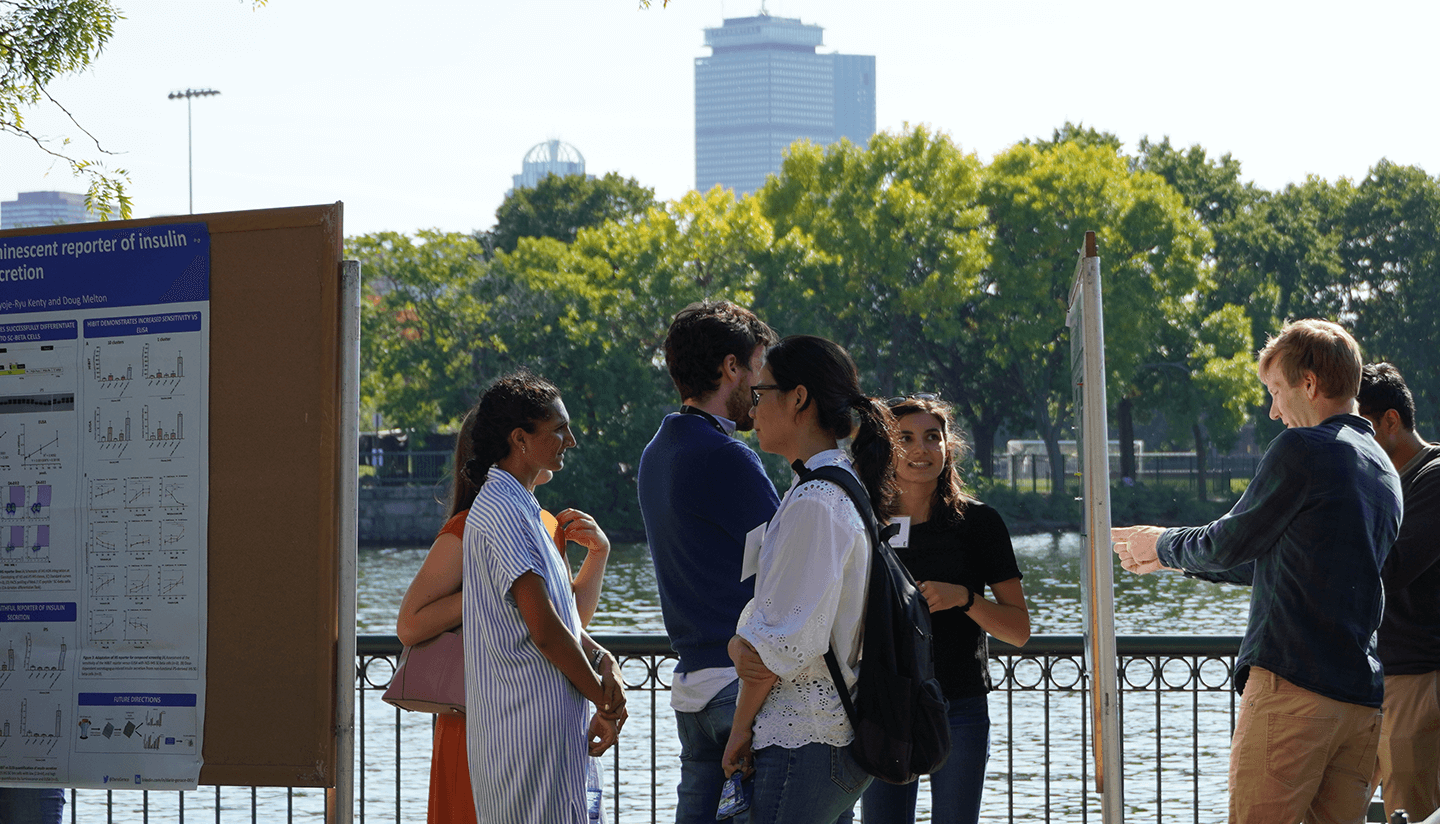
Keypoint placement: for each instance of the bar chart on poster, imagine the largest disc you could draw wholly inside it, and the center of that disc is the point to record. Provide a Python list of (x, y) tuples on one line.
[(104, 341)]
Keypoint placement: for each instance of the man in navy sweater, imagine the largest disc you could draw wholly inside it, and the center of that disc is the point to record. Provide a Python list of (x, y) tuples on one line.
[(701, 491)]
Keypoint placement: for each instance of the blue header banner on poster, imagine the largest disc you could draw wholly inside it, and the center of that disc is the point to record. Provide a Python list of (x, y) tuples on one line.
[(136, 699), (140, 266), (38, 331), (63, 612), (142, 325)]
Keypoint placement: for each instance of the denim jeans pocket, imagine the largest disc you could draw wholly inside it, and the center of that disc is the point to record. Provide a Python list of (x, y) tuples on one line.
[(846, 774)]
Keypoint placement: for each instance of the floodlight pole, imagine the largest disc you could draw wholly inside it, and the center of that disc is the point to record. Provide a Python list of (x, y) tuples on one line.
[(188, 94)]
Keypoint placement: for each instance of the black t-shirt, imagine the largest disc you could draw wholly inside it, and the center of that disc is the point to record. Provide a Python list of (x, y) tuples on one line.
[(973, 553)]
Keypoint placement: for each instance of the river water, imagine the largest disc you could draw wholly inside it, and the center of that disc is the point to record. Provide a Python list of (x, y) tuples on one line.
[(1164, 604)]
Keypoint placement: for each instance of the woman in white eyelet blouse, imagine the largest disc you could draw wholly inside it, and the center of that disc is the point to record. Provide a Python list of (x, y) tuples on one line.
[(811, 565)]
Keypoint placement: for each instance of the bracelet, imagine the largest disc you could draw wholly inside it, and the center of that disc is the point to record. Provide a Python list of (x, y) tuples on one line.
[(969, 603), (596, 657)]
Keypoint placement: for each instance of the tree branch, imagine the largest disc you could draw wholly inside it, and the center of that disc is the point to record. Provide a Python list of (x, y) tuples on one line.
[(72, 119)]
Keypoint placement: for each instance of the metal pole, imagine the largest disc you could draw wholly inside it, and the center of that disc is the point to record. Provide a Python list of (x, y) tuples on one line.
[(349, 495), (189, 95)]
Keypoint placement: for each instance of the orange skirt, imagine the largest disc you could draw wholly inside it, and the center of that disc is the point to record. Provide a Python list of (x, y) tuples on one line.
[(451, 799)]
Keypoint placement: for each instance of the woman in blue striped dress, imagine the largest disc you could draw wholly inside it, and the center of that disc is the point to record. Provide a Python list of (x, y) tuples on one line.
[(531, 671)]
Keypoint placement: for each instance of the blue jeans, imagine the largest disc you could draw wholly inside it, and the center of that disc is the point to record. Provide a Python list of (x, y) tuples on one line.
[(815, 784), (955, 789), (31, 806), (703, 736)]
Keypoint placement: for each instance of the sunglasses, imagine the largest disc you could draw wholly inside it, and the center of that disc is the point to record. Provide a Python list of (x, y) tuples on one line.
[(917, 396), (755, 392)]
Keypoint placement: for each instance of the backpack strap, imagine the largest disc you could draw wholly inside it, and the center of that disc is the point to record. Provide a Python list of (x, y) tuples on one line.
[(857, 494), (853, 489)]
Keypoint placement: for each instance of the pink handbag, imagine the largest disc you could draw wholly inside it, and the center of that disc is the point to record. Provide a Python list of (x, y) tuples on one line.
[(431, 676)]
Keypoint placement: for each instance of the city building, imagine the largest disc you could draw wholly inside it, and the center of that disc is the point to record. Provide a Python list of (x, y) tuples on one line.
[(43, 209), (553, 157), (762, 88)]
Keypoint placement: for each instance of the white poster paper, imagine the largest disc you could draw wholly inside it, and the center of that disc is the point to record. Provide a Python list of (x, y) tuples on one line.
[(104, 392)]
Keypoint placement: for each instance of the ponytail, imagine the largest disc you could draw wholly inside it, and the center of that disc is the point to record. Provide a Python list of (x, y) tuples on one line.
[(462, 489), (873, 451)]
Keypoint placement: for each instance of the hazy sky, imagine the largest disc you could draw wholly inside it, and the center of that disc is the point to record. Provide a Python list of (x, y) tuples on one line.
[(416, 114)]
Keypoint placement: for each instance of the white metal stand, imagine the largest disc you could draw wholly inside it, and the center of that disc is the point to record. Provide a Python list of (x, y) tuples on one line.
[(1087, 344)]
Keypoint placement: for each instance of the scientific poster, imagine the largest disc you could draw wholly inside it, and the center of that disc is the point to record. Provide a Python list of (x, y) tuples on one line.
[(104, 392)]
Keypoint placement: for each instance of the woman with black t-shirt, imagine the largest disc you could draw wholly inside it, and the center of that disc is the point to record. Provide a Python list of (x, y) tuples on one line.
[(956, 547)]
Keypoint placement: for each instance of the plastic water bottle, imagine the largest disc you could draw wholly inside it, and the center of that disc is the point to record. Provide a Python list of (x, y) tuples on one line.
[(592, 793)]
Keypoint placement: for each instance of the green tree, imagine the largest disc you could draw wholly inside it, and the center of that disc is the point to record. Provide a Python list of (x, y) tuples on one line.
[(1204, 378), (1041, 200), (424, 335), (1211, 188), (1392, 250), (887, 244), (560, 206), (1277, 254)]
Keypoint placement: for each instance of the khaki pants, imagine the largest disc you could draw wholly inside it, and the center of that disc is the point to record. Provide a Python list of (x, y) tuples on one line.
[(1298, 755), (1408, 766)]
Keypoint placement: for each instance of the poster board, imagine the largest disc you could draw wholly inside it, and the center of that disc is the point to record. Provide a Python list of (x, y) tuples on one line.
[(1086, 321), (275, 478)]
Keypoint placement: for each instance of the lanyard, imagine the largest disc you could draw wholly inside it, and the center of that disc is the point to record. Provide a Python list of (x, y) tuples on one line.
[(690, 410)]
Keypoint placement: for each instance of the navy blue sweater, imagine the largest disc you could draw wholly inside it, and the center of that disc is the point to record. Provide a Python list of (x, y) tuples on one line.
[(1310, 534), (700, 492)]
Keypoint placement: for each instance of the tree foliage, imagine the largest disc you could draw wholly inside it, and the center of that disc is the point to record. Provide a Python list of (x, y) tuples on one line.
[(896, 228), (425, 339), (560, 206), (41, 41), (1392, 253), (938, 272), (1041, 201)]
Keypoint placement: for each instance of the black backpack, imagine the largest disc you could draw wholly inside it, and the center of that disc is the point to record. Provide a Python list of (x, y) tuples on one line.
[(899, 712)]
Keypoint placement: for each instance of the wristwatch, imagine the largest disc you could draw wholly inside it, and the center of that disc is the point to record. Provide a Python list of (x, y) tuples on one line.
[(596, 657)]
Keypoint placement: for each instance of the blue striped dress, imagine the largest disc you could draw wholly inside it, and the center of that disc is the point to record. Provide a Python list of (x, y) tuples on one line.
[(526, 724)]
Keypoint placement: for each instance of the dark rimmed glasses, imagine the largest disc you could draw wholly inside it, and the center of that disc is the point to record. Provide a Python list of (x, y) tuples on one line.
[(755, 392)]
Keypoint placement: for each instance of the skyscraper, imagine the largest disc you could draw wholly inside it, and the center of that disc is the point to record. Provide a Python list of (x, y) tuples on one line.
[(43, 209), (762, 88)]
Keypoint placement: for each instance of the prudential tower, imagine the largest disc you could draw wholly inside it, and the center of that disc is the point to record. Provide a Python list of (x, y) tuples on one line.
[(762, 88)]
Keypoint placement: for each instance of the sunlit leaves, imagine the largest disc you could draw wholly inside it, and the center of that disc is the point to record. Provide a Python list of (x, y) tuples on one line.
[(40, 41)]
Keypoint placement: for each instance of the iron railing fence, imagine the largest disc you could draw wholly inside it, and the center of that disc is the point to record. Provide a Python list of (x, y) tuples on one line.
[(1178, 707), (398, 467), (1176, 702), (1030, 471), (1021, 471)]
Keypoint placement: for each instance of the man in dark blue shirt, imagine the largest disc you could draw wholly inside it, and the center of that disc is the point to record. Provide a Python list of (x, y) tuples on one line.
[(1408, 766), (701, 491), (1310, 534)]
